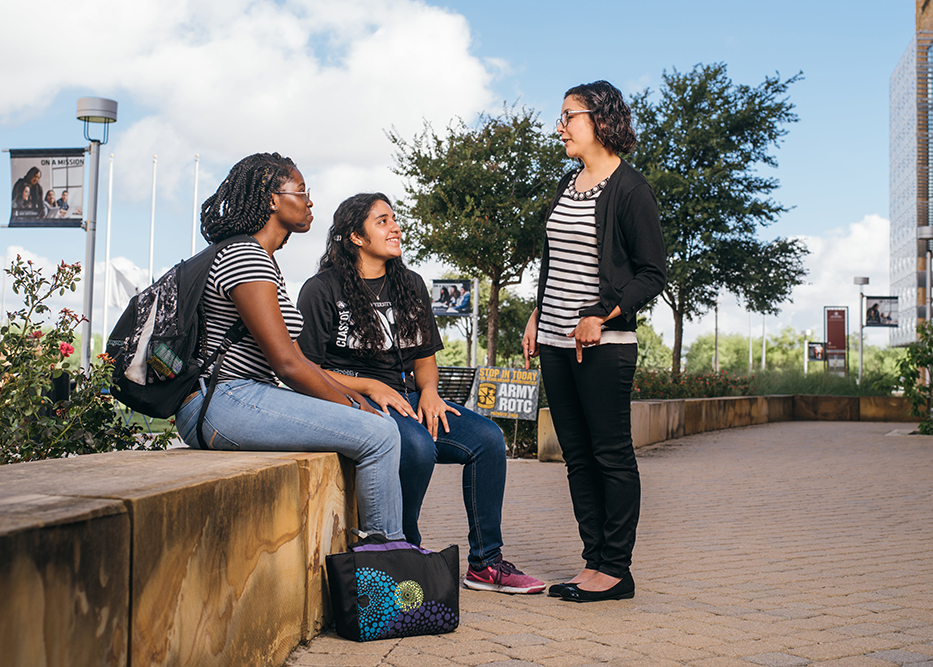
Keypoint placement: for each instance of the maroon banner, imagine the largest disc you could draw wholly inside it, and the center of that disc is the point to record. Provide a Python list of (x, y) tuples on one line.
[(836, 327)]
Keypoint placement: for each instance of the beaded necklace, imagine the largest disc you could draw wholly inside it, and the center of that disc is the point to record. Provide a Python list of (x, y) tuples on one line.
[(589, 194)]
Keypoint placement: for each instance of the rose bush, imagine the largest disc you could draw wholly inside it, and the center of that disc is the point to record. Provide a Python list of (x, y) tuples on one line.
[(38, 417)]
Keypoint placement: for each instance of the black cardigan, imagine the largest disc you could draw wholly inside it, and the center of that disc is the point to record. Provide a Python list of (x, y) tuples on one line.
[(630, 247)]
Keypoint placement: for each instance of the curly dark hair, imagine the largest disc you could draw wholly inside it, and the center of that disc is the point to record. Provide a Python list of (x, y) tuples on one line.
[(243, 202), (612, 118), (412, 319)]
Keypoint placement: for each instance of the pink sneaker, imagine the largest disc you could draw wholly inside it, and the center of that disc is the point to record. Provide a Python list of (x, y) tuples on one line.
[(502, 577)]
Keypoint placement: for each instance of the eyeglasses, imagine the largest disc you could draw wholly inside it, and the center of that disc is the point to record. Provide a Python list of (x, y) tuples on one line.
[(303, 193), (565, 117)]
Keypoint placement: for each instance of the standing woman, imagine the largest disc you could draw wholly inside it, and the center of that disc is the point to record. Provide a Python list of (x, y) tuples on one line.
[(603, 259), (265, 197), (368, 322)]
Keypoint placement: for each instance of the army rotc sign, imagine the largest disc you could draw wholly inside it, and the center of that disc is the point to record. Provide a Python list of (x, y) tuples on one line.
[(506, 392)]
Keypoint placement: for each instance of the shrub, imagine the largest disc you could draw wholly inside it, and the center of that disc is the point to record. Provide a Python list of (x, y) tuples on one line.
[(34, 424), (917, 389), (653, 385)]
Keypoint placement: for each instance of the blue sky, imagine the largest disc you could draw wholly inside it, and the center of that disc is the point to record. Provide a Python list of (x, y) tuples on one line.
[(322, 81)]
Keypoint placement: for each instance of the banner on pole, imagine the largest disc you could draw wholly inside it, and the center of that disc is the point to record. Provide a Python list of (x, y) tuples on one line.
[(506, 392), (451, 298), (880, 311), (836, 328), (816, 351), (47, 187)]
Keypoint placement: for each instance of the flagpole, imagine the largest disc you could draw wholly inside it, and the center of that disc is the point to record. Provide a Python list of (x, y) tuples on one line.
[(194, 213), (104, 331), (152, 217)]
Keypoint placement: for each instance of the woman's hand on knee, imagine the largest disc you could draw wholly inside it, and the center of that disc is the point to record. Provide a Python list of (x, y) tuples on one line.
[(386, 397), (432, 411)]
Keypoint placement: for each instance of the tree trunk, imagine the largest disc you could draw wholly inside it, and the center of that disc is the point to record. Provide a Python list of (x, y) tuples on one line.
[(492, 322), (678, 341)]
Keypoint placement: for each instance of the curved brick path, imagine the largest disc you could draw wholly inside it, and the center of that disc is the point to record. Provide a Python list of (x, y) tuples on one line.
[(799, 543)]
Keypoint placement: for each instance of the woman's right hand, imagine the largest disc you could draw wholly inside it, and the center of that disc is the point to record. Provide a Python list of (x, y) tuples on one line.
[(530, 338), (385, 397)]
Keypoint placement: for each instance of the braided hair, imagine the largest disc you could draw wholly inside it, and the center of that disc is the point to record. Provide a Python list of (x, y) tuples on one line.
[(243, 202), (612, 118), (412, 318)]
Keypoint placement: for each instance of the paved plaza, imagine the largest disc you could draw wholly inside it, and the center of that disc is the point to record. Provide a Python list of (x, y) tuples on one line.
[(797, 543)]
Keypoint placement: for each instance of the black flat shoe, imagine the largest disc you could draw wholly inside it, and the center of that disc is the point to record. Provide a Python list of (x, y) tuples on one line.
[(556, 590), (623, 590)]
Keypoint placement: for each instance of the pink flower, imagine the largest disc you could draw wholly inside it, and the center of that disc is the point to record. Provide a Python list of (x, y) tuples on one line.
[(36, 334), (66, 349)]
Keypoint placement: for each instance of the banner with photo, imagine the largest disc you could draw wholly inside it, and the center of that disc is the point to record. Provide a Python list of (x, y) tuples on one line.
[(816, 351), (47, 187), (880, 311), (506, 392), (452, 298)]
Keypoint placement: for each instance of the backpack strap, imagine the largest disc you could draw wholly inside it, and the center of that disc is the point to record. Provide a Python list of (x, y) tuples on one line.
[(234, 334)]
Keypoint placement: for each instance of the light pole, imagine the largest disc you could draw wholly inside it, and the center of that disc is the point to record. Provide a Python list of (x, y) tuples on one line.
[(861, 281), (104, 111), (806, 351), (716, 343)]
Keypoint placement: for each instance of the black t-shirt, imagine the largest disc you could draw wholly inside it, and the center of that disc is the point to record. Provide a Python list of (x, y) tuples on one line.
[(328, 335)]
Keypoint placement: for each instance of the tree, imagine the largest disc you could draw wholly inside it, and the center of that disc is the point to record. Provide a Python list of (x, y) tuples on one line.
[(653, 354), (700, 145), (514, 311), (479, 197)]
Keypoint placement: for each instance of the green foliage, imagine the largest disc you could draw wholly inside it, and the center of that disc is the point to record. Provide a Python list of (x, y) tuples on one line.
[(453, 354), (654, 385), (917, 388), (784, 360), (817, 382), (700, 145), (653, 354), (33, 426), (514, 312), (478, 197)]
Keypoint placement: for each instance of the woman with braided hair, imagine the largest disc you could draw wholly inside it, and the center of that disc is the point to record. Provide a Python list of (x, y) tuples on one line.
[(368, 322), (265, 198)]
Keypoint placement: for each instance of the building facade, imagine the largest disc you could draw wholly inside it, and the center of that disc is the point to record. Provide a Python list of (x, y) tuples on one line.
[(911, 180)]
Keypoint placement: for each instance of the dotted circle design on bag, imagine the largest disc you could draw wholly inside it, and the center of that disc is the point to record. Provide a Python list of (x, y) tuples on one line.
[(408, 595), (391, 609)]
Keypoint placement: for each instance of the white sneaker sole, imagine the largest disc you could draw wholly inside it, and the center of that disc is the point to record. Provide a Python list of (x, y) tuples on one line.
[(498, 588)]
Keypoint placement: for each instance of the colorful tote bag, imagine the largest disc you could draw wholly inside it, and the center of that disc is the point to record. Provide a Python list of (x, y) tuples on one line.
[(381, 589)]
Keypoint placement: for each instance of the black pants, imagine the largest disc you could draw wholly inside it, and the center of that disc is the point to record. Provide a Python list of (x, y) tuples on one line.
[(590, 405)]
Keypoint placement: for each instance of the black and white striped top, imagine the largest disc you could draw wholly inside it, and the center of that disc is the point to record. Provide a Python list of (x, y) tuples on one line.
[(234, 265), (573, 272)]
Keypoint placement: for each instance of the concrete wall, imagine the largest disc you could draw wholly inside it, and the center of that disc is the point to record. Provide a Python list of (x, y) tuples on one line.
[(168, 558), (657, 421)]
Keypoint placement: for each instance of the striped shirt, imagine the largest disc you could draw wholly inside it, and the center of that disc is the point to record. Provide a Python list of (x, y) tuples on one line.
[(573, 272), (234, 265)]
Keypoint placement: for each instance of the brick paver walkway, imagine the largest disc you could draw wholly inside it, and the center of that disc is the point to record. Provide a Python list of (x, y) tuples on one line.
[(801, 543)]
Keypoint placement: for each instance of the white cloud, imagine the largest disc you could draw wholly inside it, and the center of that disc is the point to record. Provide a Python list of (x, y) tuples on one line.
[(860, 249), (319, 81)]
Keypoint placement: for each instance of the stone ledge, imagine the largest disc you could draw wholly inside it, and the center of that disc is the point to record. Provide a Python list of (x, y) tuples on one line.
[(657, 421), (176, 557)]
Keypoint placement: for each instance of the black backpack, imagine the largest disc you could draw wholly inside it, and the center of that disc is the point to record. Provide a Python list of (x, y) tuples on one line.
[(158, 338)]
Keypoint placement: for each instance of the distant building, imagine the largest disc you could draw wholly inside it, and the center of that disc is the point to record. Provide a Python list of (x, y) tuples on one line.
[(911, 180)]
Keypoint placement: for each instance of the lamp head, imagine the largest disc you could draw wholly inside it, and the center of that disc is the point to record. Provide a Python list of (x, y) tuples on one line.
[(97, 110)]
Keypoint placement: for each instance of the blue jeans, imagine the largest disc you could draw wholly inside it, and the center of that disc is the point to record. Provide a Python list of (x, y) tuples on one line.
[(474, 442), (255, 416)]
